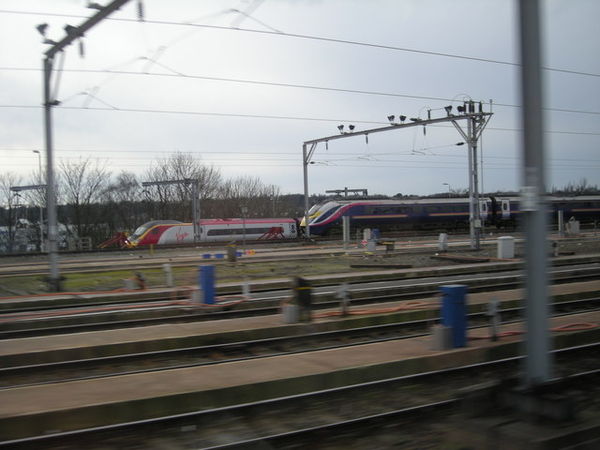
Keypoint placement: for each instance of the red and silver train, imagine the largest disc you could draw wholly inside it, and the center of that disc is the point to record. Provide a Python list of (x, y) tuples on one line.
[(172, 232)]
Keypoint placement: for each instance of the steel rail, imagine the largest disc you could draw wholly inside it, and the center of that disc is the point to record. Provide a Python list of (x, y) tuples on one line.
[(424, 289), (246, 346), (92, 434), (502, 273)]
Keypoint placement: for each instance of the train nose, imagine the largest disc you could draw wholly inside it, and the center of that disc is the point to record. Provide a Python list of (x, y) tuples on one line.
[(130, 244)]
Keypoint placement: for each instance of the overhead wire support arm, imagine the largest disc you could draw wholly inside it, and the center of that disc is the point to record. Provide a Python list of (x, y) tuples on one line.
[(75, 33), (31, 187), (417, 123)]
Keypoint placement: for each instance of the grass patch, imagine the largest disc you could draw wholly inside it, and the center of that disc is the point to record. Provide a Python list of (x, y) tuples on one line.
[(183, 276)]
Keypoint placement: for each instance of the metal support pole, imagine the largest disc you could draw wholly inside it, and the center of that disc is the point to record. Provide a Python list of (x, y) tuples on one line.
[(56, 47), (41, 204), (305, 166), (196, 210), (561, 223), (476, 234), (346, 231), (244, 212), (471, 188), (537, 362), (54, 278)]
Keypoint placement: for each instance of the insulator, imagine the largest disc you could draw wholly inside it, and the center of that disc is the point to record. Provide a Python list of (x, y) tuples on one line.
[(140, 8)]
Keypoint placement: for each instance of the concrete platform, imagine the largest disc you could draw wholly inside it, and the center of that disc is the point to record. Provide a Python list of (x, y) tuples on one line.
[(37, 350), (34, 410)]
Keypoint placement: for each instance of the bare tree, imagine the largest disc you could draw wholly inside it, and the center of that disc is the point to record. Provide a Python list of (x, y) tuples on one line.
[(260, 199), (121, 201), (173, 201), (83, 183), (581, 188)]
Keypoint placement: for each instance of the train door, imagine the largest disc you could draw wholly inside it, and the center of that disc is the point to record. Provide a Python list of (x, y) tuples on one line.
[(494, 211), (483, 210), (505, 209)]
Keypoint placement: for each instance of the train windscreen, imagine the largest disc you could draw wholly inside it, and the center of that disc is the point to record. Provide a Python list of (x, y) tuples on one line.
[(326, 214), (139, 232)]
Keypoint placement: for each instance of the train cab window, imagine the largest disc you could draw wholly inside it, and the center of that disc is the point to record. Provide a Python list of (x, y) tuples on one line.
[(155, 231)]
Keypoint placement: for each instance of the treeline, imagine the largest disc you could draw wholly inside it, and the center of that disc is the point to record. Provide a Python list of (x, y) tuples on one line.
[(95, 202)]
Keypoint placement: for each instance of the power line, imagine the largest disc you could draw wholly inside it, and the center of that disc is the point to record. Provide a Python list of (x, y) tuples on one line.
[(385, 165), (365, 159), (281, 156), (178, 74), (270, 117), (312, 37)]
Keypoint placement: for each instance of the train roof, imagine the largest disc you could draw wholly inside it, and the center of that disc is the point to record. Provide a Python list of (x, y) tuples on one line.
[(246, 221), (240, 221), (452, 200)]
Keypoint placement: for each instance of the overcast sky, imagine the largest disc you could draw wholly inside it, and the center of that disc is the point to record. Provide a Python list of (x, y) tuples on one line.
[(164, 100)]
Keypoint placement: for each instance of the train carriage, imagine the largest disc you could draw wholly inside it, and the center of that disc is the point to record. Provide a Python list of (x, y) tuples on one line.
[(448, 213), (172, 232)]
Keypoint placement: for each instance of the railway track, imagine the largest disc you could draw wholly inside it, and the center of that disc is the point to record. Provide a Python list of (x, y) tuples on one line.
[(222, 352), (14, 324), (363, 415), (140, 259)]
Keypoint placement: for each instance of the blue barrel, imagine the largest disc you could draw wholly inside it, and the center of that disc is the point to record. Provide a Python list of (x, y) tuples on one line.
[(454, 312), (206, 281)]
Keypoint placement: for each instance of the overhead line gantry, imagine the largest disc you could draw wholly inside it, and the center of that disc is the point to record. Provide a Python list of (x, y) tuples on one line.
[(476, 122)]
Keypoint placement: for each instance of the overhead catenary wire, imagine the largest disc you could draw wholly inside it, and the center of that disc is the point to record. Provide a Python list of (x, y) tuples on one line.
[(273, 117), (308, 37), (178, 74), (200, 152)]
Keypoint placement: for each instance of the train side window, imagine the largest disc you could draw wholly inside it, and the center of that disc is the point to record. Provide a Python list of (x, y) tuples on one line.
[(155, 231)]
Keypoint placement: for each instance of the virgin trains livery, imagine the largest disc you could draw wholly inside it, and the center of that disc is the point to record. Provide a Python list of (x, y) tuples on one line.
[(171, 232)]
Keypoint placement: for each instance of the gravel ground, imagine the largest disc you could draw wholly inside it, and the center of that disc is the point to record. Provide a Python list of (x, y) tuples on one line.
[(423, 258)]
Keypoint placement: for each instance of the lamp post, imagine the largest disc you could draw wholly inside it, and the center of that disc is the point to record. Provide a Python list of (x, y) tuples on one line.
[(41, 206), (449, 189)]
